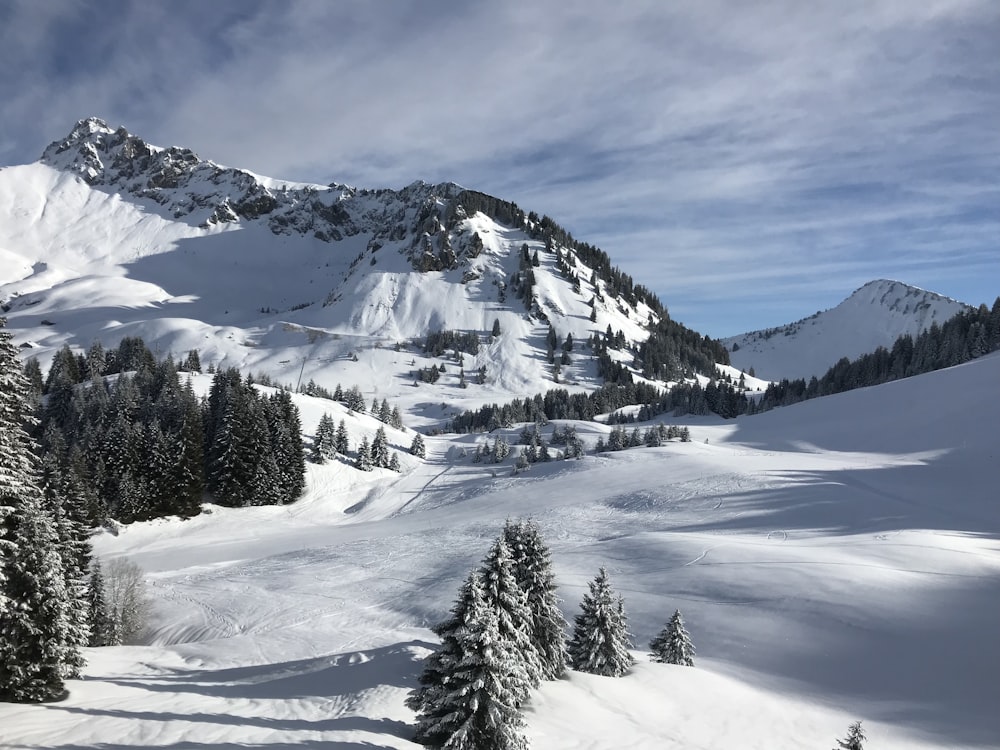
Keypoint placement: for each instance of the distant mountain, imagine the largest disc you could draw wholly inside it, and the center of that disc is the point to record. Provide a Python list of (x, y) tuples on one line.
[(108, 236), (875, 315)]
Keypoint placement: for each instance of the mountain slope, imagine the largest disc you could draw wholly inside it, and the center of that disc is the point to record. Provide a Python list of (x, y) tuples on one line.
[(108, 236), (874, 315)]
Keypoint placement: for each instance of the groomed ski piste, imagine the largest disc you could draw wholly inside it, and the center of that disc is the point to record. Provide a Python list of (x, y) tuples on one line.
[(837, 560)]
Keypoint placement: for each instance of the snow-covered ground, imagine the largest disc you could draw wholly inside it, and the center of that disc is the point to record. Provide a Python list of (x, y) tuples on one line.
[(836, 560)]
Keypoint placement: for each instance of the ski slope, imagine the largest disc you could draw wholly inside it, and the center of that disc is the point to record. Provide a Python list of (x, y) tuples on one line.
[(834, 561)]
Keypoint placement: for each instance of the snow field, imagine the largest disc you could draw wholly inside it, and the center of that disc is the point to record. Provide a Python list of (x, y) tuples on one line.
[(820, 585)]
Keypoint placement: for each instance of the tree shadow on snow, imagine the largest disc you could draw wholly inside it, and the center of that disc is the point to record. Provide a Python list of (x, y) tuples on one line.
[(332, 681)]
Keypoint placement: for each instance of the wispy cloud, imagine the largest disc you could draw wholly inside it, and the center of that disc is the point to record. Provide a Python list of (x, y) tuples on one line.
[(724, 153)]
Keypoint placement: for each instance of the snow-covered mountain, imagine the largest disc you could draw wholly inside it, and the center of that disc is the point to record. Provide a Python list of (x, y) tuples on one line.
[(875, 315), (108, 236)]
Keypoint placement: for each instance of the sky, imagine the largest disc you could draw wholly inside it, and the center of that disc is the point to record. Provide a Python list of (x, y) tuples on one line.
[(751, 163)]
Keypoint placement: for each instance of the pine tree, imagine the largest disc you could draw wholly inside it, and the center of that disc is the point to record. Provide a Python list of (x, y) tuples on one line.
[(342, 440), (380, 449), (73, 545), (417, 447), (37, 643), (394, 462), (101, 627), (192, 363), (501, 449), (855, 738), (509, 601), (353, 399), (286, 445), (673, 644), (532, 566), (364, 460), (474, 707), (426, 699), (325, 440), (600, 643)]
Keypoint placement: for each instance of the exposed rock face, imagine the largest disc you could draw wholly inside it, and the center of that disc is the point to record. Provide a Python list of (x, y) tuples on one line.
[(426, 217)]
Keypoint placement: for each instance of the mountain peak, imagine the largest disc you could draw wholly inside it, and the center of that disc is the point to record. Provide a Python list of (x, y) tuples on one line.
[(89, 126), (97, 152), (874, 315), (898, 296)]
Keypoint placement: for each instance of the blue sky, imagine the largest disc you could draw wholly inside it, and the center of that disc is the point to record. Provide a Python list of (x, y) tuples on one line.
[(751, 162)]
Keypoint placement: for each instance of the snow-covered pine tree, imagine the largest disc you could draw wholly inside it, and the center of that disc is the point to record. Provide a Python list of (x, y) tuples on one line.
[(854, 740), (394, 462), (101, 627), (74, 548), (353, 399), (532, 564), (286, 442), (425, 700), (364, 460), (417, 447), (501, 449), (342, 441), (504, 595), (36, 640), (474, 707), (36, 609), (617, 439), (673, 644), (380, 449), (325, 440), (600, 643)]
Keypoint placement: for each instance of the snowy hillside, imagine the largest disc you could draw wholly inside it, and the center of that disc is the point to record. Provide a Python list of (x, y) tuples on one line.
[(108, 236), (835, 560), (875, 315)]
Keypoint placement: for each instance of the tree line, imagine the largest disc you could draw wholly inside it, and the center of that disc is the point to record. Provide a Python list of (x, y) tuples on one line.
[(142, 445), (960, 339), (963, 337)]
